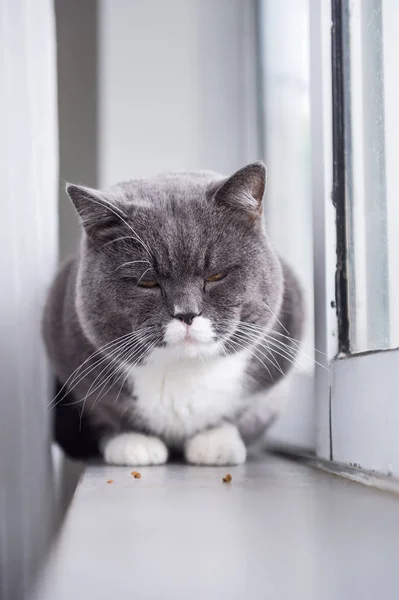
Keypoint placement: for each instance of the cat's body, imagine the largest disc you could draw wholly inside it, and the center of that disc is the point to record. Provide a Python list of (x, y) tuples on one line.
[(199, 346)]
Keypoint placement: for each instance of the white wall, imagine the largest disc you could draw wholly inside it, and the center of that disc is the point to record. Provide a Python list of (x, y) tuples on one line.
[(28, 233), (176, 86)]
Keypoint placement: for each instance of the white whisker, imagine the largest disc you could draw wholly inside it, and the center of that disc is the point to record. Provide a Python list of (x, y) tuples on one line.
[(76, 373), (272, 359), (291, 358), (255, 340), (231, 343), (108, 356), (125, 368), (270, 332), (137, 361), (262, 329), (276, 317), (120, 238), (132, 262), (127, 355), (283, 350), (146, 271), (123, 354), (116, 345), (277, 341), (109, 206)]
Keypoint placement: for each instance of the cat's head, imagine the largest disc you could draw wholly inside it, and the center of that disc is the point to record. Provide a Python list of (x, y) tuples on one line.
[(177, 261)]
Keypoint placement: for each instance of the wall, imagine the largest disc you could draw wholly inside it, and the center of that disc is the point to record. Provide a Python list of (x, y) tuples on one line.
[(77, 107), (28, 233), (176, 86)]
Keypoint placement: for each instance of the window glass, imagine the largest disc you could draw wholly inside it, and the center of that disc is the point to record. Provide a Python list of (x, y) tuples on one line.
[(371, 80)]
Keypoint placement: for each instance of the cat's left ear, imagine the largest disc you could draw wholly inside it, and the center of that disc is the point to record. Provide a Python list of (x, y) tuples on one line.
[(244, 190)]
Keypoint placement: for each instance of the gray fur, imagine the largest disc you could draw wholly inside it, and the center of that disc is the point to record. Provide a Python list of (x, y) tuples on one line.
[(184, 227)]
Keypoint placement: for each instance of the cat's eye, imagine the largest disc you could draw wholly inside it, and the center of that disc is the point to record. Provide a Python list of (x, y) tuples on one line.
[(150, 283), (216, 277)]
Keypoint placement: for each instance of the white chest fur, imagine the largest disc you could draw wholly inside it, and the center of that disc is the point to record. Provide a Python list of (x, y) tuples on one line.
[(175, 398)]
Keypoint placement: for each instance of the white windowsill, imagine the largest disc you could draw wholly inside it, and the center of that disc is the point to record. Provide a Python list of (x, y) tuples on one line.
[(280, 529)]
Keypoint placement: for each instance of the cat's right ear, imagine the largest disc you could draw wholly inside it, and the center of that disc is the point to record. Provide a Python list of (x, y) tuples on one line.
[(99, 216), (243, 192)]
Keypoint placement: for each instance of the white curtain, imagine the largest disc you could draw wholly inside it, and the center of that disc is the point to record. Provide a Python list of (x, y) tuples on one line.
[(28, 255)]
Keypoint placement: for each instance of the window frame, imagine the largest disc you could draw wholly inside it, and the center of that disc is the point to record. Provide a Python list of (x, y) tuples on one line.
[(324, 215), (358, 415)]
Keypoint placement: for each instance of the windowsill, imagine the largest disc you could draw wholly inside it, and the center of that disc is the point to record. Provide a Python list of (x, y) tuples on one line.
[(280, 529), (354, 473)]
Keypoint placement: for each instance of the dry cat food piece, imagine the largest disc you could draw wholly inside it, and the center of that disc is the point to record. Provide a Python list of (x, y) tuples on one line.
[(136, 474), (227, 478), (110, 481)]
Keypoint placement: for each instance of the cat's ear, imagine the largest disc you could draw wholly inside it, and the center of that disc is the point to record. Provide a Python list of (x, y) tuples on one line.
[(99, 215), (244, 190)]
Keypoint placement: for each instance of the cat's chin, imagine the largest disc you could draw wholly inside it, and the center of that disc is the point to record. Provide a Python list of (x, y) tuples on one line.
[(200, 350), (191, 349)]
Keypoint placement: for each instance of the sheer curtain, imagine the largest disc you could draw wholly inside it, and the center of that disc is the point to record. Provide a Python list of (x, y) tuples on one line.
[(28, 255)]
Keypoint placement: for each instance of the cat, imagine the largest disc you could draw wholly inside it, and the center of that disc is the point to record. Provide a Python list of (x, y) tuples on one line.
[(174, 321)]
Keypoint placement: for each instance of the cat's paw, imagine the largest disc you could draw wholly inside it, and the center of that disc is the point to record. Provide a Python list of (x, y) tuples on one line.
[(134, 449), (220, 446)]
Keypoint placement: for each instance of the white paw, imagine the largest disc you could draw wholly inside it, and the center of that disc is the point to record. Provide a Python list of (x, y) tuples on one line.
[(220, 446), (134, 449)]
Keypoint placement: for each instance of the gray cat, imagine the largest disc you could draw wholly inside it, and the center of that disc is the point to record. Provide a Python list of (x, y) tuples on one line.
[(169, 328)]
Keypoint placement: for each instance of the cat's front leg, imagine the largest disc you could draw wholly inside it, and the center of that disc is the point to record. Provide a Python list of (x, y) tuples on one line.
[(133, 449), (219, 446)]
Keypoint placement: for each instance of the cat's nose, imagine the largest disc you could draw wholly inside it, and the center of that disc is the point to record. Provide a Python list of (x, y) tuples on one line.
[(187, 318)]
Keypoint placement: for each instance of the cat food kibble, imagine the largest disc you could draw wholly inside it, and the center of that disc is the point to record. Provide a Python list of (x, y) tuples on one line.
[(136, 474), (110, 481), (227, 478)]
